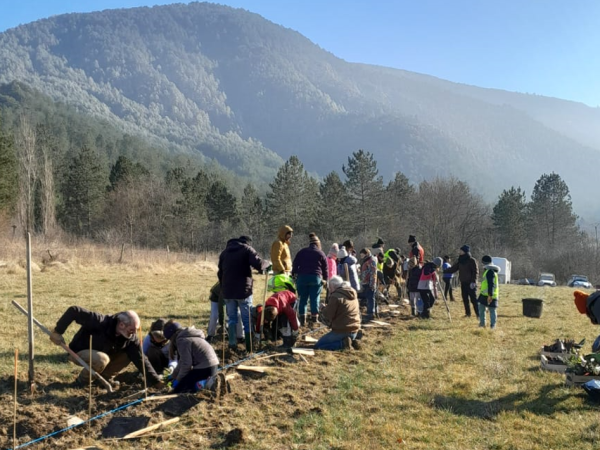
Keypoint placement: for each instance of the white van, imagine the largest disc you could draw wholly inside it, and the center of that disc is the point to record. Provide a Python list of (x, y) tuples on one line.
[(505, 269)]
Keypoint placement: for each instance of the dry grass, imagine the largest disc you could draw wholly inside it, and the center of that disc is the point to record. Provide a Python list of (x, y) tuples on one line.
[(419, 385)]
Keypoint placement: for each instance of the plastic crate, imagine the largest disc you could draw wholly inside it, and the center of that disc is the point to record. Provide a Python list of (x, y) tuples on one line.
[(551, 367), (577, 380)]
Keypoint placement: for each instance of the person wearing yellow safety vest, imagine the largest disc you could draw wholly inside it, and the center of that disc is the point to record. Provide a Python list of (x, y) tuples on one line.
[(488, 295)]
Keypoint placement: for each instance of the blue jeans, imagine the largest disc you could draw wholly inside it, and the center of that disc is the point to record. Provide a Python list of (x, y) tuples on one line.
[(333, 340), (482, 309), (309, 287), (232, 312), (369, 295)]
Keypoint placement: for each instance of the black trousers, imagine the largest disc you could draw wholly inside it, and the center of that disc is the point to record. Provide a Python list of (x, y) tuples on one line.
[(448, 289), (188, 383), (469, 294), (428, 301), (157, 358)]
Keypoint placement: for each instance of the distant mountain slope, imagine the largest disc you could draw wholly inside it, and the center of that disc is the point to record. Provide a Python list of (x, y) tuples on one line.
[(236, 87)]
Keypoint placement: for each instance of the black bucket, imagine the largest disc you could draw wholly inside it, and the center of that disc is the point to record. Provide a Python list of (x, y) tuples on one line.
[(532, 307)]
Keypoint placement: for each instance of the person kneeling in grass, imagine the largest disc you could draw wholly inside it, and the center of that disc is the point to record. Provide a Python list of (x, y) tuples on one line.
[(342, 314), (197, 361)]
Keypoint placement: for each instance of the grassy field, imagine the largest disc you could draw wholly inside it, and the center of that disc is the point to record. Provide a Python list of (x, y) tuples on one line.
[(418, 385)]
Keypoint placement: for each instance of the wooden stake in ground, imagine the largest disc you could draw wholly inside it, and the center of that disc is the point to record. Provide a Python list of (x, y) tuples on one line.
[(30, 315), (262, 314), (90, 376), (15, 410), (143, 365)]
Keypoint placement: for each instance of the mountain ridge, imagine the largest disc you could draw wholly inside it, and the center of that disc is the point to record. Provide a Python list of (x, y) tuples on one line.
[(235, 87)]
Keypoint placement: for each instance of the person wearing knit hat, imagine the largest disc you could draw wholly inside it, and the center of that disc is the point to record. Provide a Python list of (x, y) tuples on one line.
[(197, 361), (488, 295), (332, 261), (235, 277), (281, 257), (468, 273), (347, 268), (310, 267), (416, 251), (155, 347)]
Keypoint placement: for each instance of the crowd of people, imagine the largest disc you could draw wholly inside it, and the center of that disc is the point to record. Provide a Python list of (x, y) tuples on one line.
[(184, 358)]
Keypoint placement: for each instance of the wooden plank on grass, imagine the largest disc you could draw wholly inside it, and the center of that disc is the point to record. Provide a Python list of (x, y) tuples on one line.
[(73, 420), (257, 369), (155, 398), (151, 428), (303, 351), (394, 306), (379, 322), (310, 339)]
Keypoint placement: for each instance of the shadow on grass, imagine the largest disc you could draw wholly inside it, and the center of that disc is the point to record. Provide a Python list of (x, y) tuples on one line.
[(55, 358), (543, 404)]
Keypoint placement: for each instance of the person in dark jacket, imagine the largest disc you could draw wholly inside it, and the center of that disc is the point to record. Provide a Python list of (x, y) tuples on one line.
[(488, 297), (310, 267), (197, 362), (468, 272), (114, 342), (342, 315), (156, 348), (235, 276)]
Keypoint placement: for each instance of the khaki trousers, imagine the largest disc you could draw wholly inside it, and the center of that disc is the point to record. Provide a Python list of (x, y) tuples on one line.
[(102, 364)]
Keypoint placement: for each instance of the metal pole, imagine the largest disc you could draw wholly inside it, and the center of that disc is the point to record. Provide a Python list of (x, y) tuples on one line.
[(30, 315)]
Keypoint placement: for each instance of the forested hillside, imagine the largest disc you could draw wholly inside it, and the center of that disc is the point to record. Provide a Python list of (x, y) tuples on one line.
[(227, 84)]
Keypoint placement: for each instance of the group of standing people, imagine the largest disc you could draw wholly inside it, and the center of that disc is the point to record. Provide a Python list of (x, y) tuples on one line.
[(184, 357)]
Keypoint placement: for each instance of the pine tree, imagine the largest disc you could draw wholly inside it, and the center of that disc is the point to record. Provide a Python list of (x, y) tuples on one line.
[(252, 212), (551, 218), (365, 187), (509, 217), (221, 205), (83, 191), (125, 171), (336, 216), (293, 198), (8, 173)]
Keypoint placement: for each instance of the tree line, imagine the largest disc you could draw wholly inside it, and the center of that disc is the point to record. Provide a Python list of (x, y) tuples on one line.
[(193, 208)]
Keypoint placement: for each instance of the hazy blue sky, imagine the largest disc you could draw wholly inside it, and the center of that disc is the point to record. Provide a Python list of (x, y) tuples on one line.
[(549, 47)]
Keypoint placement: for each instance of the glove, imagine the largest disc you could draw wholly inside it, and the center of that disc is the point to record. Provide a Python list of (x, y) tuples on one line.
[(167, 373), (489, 300), (57, 338), (473, 285), (257, 336), (295, 333)]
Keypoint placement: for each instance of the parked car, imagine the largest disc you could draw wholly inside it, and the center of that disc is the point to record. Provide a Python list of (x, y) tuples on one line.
[(547, 279), (580, 281), (526, 282)]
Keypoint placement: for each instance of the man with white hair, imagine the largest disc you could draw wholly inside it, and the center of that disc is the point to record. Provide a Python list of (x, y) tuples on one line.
[(114, 342), (342, 315)]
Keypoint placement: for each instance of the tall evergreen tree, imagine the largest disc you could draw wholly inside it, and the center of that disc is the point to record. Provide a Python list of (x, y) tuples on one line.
[(83, 191), (125, 171), (221, 205), (292, 198), (365, 186), (335, 213), (252, 212), (509, 217), (551, 211), (8, 172)]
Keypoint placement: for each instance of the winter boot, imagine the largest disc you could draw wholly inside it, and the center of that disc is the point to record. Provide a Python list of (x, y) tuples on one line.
[(302, 320), (232, 339), (314, 320), (347, 343), (248, 339), (288, 341)]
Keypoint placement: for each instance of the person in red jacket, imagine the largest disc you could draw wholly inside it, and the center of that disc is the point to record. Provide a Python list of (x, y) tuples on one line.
[(280, 315)]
